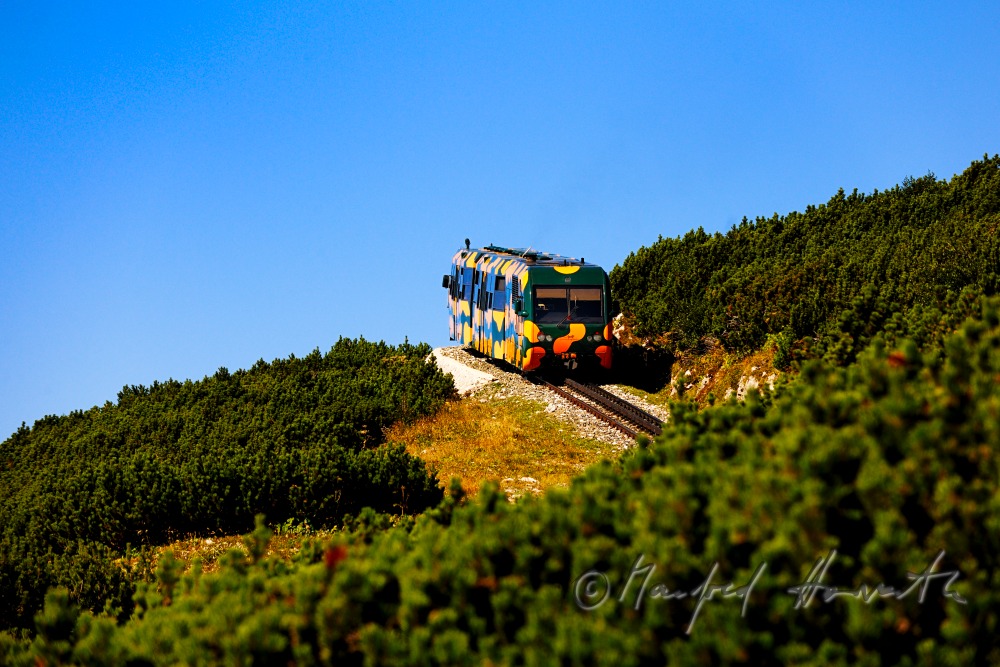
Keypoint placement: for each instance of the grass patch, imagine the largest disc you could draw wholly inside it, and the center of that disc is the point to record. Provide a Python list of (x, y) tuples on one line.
[(284, 544), (511, 440)]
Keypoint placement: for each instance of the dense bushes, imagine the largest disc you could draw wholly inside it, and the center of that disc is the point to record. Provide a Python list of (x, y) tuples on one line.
[(293, 438), (918, 245), (889, 462)]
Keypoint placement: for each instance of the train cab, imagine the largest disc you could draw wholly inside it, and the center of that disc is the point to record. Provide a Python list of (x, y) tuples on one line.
[(533, 310)]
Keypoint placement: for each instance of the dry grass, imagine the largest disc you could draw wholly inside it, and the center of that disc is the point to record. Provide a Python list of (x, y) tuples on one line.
[(511, 440), (209, 550)]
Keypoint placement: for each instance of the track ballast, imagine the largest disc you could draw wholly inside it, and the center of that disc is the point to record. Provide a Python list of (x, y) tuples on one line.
[(616, 412)]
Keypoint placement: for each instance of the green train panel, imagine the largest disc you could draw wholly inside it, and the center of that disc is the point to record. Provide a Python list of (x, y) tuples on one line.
[(530, 309)]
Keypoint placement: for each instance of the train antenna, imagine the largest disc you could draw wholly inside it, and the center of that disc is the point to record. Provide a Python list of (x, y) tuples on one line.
[(466, 244)]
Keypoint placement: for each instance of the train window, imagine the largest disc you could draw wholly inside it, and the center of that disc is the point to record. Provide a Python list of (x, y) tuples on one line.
[(551, 305), (585, 305), (467, 284), (499, 297), (557, 305)]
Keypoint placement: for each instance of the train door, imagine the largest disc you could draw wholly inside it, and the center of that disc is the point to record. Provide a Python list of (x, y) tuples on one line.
[(517, 320), (465, 307), (498, 314), (482, 325), (474, 312)]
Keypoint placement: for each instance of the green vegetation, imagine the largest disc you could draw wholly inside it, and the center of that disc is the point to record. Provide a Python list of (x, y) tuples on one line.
[(825, 281), (297, 438), (889, 461)]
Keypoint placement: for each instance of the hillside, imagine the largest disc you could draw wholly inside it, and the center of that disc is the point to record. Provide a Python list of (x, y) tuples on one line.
[(854, 508), (294, 439)]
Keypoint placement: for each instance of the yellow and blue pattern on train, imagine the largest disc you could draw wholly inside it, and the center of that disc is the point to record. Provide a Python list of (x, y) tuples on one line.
[(530, 309)]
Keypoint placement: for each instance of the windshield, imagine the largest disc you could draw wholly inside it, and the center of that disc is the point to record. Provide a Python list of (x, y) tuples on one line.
[(558, 305)]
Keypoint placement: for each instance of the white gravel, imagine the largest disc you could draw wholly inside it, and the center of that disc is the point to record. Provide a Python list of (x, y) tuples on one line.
[(467, 379)]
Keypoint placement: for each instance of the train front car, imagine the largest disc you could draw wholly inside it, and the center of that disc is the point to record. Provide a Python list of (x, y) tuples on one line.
[(533, 310), (567, 318)]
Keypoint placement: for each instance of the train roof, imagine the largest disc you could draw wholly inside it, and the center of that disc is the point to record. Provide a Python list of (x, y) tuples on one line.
[(529, 256)]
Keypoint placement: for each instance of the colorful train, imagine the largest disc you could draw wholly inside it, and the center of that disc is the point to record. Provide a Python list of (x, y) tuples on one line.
[(531, 309)]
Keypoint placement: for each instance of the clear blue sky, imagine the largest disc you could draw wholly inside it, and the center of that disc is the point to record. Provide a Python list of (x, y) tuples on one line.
[(207, 184)]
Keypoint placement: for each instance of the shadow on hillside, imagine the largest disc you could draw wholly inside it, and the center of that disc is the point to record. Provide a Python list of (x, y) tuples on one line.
[(643, 368)]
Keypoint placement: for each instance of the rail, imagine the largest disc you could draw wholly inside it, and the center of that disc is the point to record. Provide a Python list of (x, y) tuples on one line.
[(644, 420), (580, 403), (614, 411)]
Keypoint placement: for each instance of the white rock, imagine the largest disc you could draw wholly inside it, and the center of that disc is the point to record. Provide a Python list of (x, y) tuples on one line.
[(466, 379)]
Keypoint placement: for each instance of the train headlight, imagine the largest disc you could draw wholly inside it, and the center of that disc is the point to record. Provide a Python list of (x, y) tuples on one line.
[(597, 336)]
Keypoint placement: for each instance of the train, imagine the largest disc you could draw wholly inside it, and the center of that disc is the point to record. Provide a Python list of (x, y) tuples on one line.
[(531, 309)]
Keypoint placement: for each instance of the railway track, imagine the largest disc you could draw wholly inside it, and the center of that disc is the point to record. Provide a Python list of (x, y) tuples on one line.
[(614, 411)]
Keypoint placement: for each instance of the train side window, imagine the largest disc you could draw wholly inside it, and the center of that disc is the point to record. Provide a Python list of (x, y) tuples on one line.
[(467, 284), (498, 296)]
